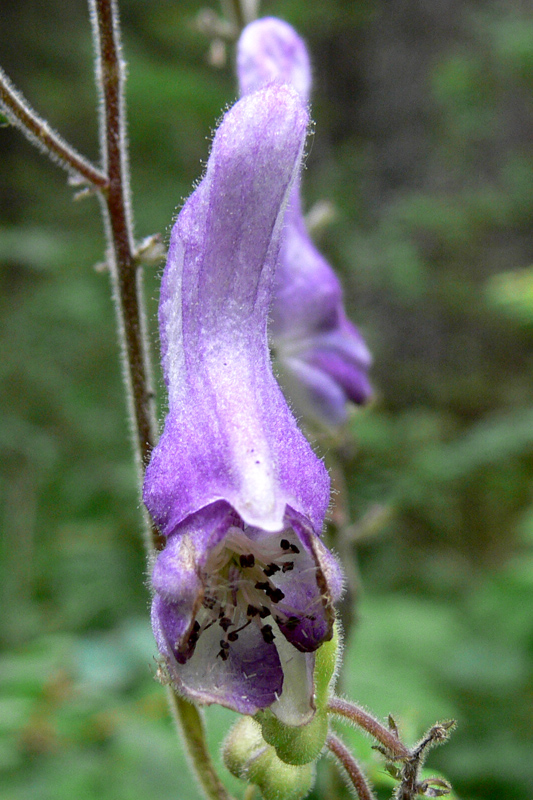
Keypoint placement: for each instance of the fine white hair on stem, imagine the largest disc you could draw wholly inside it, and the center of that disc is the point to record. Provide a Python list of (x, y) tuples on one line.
[(356, 778), (110, 73), (365, 721), (48, 141)]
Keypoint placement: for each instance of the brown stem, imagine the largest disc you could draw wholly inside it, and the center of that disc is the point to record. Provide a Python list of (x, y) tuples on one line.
[(127, 275), (358, 780), (410, 787), (127, 278), (21, 114), (363, 719)]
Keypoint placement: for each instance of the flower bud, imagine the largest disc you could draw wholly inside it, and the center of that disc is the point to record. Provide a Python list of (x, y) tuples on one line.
[(250, 758), (243, 746), (296, 746), (284, 782)]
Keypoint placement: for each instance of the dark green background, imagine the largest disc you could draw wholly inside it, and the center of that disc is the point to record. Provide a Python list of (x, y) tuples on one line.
[(424, 120)]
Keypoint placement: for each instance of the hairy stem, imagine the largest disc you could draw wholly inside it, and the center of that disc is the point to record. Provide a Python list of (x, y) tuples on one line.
[(126, 273), (127, 279), (38, 131), (357, 779), (410, 786), (190, 723), (363, 719)]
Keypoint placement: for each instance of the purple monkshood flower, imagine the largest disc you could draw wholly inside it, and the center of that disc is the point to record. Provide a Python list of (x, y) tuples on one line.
[(244, 588), (322, 356)]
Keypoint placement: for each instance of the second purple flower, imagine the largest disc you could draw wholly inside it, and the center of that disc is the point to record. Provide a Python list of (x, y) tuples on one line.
[(323, 358)]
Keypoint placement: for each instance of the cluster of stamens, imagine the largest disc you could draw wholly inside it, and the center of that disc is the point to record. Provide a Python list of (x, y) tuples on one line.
[(238, 584)]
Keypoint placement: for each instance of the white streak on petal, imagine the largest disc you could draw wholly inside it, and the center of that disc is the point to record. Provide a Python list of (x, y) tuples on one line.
[(296, 706)]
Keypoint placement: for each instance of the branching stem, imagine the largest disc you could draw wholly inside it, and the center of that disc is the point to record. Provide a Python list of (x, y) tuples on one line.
[(410, 785), (126, 273), (363, 719), (38, 131)]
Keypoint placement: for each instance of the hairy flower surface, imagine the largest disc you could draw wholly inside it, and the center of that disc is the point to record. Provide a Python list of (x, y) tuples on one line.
[(323, 358), (244, 586)]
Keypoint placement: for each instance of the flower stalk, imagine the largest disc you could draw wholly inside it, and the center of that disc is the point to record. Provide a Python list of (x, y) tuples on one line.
[(353, 771), (410, 785), (190, 725), (125, 272), (386, 736), (407, 773)]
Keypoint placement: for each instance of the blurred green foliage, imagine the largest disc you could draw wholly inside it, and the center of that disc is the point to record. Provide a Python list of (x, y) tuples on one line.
[(423, 117)]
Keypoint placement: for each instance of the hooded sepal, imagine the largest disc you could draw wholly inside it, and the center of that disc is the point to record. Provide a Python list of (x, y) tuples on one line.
[(229, 433)]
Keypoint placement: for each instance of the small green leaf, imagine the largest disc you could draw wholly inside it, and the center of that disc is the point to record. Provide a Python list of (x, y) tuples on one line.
[(392, 726), (393, 770)]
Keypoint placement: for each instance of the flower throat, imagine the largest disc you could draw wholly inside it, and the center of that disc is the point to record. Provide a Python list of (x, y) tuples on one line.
[(241, 588)]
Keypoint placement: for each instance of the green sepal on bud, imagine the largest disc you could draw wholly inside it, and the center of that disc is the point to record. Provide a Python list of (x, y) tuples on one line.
[(326, 663), (249, 757), (303, 744), (296, 746)]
